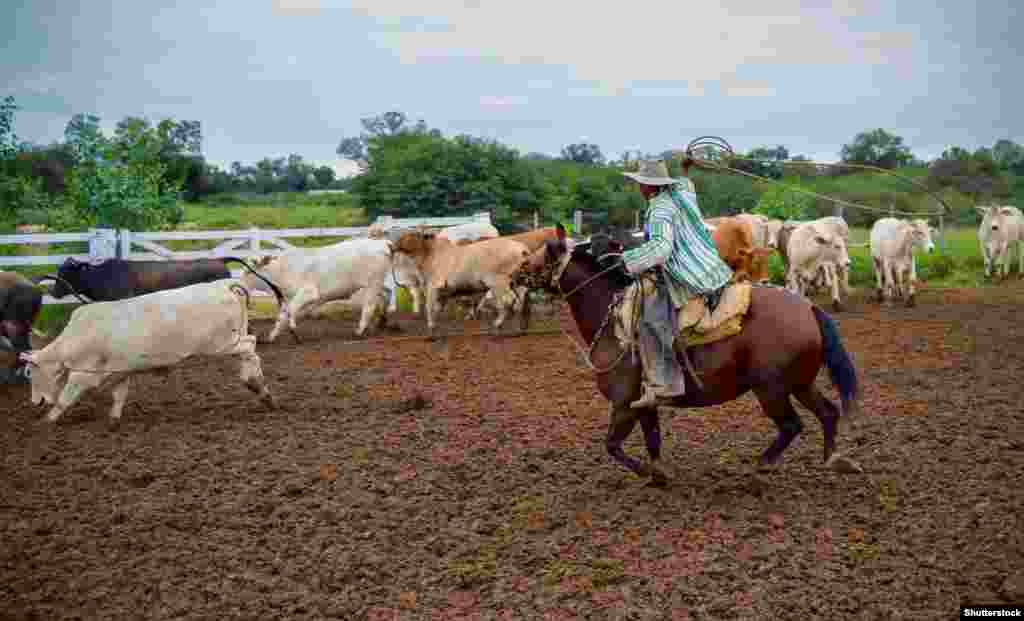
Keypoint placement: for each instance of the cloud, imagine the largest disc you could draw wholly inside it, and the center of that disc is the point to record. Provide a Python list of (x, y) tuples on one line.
[(489, 101), (747, 89), (297, 7), (499, 124), (716, 40)]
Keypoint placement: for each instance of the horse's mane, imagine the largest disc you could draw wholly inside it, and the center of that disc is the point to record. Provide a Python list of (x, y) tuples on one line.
[(582, 255)]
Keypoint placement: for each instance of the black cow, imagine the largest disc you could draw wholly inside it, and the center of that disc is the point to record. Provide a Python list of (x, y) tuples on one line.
[(117, 279), (20, 302)]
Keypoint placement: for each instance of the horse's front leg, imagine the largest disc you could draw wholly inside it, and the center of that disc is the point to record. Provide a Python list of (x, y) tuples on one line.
[(652, 438), (621, 421)]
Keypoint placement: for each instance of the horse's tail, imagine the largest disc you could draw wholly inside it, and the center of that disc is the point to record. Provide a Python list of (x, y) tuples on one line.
[(840, 366), (277, 292)]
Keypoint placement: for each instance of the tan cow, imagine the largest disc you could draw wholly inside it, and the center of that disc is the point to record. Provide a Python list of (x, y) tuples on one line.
[(735, 244), (450, 269)]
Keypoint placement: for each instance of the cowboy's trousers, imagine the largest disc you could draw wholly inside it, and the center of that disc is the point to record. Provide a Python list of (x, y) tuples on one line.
[(658, 325)]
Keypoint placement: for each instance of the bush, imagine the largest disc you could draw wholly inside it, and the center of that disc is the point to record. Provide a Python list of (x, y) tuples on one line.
[(783, 203)]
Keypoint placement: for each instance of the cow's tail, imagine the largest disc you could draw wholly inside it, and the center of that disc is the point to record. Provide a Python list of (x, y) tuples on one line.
[(840, 366), (277, 292)]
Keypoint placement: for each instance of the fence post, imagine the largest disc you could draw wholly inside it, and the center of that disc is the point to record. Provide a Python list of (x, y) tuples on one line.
[(636, 220), (536, 220), (103, 244), (838, 211), (254, 240), (577, 222), (942, 234), (483, 216), (124, 245)]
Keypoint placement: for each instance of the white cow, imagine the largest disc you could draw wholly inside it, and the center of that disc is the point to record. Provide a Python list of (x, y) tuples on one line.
[(1001, 228), (106, 343), (892, 255), (810, 248), (310, 277), (765, 230)]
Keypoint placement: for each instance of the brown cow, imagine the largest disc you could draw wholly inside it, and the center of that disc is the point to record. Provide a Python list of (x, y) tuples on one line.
[(450, 269), (735, 242)]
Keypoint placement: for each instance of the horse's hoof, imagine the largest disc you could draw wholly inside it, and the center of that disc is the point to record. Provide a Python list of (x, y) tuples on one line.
[(113, 424)]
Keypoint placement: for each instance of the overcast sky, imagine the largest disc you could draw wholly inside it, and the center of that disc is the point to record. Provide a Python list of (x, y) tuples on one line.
[(273, 77)]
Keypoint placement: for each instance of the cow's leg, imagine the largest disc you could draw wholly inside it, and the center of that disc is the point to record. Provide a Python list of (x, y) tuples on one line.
[(375, 300), (303, 299), (433, 300), (503, 299), (911, 282), (832, 281), (525, 310), (845, 272), (120, 395), (77, 385), (251, 370), (879, 278)]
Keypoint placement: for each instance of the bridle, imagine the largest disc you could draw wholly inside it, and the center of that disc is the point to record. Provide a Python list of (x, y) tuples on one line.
[(556, 280)]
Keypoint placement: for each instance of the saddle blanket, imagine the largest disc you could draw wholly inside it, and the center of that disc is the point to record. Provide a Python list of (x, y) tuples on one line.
[(696, 325)]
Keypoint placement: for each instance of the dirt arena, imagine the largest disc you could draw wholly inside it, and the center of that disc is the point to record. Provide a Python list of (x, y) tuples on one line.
[(468, 480)]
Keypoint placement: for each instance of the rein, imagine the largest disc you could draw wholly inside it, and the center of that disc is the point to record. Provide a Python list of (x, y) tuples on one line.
[(616, 300)]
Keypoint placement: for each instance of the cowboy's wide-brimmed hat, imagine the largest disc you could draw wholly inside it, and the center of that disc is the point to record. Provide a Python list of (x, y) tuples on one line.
[(652, 172)]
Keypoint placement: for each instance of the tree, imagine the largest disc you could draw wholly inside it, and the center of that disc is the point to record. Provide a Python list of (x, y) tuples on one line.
[(975, 174), (393, 123), (119, 183), (324, 176), (8, 140), (876, 148), (583, 153), (1008, 154)]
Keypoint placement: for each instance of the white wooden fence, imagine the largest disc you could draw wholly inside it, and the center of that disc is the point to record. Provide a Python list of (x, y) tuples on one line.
[(245, 243)]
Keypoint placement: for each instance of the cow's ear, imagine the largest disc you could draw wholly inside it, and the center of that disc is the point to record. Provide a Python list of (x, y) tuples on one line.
[(982, 210), (560, 231), (1006, 211)]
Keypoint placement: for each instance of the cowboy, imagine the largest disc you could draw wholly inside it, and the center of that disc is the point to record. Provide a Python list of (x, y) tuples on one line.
[(682, 257)]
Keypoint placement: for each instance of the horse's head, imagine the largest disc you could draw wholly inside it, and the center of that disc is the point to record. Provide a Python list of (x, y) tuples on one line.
[(544, 267)]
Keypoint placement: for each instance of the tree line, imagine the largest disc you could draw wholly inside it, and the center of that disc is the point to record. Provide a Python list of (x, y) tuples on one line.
[(137, 176)]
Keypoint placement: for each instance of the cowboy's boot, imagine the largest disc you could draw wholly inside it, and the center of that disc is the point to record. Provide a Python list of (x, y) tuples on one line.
[(664, 378)]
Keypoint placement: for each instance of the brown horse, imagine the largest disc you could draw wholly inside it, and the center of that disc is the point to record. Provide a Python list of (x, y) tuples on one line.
[(785, 341)]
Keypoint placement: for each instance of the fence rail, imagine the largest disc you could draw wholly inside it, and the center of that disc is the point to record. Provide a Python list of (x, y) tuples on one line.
[(243, 243)]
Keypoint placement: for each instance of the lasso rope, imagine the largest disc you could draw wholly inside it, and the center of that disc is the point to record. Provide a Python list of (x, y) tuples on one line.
[(716, 142)]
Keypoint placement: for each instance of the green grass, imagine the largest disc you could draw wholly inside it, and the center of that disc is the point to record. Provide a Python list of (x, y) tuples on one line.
[(293, 216), (960, 264)]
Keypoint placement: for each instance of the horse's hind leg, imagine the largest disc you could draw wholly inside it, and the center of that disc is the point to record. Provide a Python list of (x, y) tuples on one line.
[(652, 438), (826, 411), (780, 409), (621, 421)]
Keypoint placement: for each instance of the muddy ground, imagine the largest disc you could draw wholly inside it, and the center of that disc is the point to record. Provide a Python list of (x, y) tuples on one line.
[(468, 480)]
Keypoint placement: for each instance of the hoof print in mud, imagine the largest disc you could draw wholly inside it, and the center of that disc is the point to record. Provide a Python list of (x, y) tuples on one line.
[(843, 465)]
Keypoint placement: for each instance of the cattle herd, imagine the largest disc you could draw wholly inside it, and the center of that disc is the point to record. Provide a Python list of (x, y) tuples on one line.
[(142, 315)]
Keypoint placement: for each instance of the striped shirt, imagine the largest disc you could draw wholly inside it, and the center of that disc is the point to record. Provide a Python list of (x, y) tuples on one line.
[(678, 241)]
